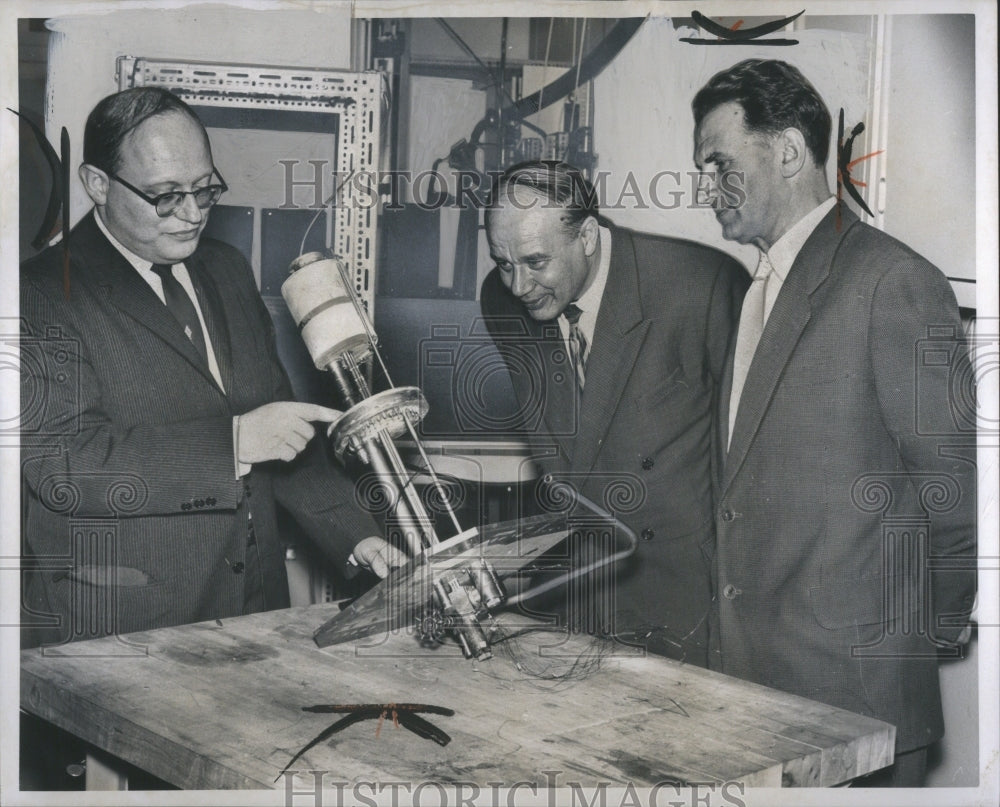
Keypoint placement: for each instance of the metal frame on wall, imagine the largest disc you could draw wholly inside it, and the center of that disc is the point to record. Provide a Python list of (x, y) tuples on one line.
[(359, 99)]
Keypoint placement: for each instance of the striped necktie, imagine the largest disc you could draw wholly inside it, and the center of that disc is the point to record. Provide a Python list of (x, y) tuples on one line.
[(179, 304), (577, 342)]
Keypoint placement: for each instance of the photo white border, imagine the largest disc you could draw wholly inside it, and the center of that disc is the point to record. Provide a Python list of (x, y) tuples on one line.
[(987, 310)]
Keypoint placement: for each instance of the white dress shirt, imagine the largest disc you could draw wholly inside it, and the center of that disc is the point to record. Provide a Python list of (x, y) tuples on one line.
[(785, 250), (589, 302)]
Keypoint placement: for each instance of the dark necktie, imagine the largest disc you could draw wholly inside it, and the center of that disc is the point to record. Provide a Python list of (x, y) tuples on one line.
[(577, 342), (180, 305)]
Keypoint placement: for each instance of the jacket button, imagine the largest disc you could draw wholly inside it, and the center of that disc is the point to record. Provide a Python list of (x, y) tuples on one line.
[(199, 502), (728, 515), (730, 592), (238, 567), (647, 534), (647, 463), (185, 505), (210, 501)]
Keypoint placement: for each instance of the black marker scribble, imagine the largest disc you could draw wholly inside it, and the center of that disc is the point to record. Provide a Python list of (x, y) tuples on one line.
[(47, 229), (844, 164), (401, 714), (740, 36)]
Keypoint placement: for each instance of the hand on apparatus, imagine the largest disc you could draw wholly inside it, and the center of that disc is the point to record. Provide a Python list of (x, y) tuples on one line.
[(377, 555), (280, 430)]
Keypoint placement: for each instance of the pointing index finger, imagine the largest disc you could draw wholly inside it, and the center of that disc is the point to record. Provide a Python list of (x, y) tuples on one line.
[(315, 412)]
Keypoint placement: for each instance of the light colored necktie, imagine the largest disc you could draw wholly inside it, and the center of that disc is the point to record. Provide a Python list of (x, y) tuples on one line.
[(577, 342), (752, 319)]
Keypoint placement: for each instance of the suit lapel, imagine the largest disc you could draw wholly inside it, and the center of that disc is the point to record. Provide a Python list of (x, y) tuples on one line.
[(788, 319), (559, 386), (618, 336), (127, 291)]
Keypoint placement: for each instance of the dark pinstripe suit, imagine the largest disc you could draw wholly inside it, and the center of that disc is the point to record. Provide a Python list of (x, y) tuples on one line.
[(132, 515)]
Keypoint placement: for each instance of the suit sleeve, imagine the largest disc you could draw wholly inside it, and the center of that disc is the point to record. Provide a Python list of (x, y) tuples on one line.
[(925, 388), (76, 459)]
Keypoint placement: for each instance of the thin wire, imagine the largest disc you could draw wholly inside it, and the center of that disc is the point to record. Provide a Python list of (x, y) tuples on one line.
[(370, 331), (302, 246), (550, 673), (363, 315), (429, 468)]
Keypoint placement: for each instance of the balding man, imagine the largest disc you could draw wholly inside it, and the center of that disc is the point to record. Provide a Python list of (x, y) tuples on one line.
[(631, 330)]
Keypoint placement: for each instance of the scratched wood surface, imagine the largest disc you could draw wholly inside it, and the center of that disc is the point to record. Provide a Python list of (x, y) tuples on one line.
[(218, 705)]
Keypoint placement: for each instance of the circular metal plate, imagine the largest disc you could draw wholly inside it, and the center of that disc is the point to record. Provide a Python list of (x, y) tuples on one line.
[(385, 411)]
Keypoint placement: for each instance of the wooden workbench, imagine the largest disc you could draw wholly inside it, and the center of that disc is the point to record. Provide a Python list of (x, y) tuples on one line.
[(218, 705)]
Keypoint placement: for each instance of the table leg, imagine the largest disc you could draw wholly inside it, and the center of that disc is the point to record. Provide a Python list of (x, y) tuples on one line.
[(102, 776)]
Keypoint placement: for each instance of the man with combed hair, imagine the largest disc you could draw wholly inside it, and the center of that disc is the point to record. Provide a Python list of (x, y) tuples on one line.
[(844, 469), (161, 434), (630, 330)]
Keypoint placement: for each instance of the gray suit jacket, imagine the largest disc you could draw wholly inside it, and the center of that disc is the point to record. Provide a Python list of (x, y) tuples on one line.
[(132, 516), (849, 485), (640, 442)]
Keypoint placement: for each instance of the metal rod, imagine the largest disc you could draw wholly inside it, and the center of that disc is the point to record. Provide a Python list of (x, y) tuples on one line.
[(355, 371), (342, 384), (411, 529), (365, 319), (417, 506), (430, 470)]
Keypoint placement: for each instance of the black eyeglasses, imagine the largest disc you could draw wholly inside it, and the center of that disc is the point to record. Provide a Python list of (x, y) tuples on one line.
[(168, 203)]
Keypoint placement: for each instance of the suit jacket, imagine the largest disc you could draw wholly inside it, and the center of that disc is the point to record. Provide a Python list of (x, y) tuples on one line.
[(639, 444), (851, 474), (132, 514)]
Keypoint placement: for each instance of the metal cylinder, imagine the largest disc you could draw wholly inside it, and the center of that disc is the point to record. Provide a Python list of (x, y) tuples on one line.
[(407, 519), (489, 585)]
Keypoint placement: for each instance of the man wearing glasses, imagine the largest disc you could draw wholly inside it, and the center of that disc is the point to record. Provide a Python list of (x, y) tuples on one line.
[(160, 434)]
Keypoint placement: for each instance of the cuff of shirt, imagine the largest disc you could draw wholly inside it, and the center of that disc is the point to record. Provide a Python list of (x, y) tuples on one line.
[(242, 468)]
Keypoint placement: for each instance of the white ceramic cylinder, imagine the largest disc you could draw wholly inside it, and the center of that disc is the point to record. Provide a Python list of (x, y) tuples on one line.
[(324, 310)]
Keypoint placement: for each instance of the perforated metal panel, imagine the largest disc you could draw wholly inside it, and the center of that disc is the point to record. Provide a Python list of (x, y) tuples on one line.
[(359, 100)]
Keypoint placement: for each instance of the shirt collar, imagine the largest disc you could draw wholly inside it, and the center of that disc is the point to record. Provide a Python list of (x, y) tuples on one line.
[(590, 300), (784, 251), (138, 263)]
